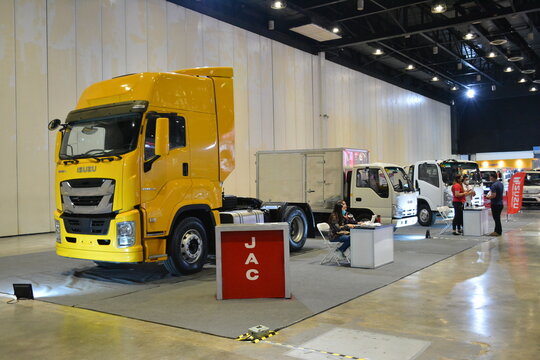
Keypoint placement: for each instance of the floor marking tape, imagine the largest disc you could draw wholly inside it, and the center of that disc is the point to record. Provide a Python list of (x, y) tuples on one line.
[(342, 356)]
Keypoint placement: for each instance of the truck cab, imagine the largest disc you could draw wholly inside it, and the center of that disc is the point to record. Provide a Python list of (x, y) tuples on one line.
[(531, 188), (385, 190), (434, 178)]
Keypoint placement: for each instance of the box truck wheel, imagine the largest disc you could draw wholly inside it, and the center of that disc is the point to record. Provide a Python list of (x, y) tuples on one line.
[(297, 227), (187, 247), (425, 215)]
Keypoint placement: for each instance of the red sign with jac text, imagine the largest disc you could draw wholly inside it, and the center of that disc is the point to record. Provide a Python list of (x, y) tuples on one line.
[(252, 264), (515, 192)]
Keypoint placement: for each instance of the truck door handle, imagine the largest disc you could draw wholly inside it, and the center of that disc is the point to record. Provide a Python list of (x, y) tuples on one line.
[(358, 199), (185, 169)]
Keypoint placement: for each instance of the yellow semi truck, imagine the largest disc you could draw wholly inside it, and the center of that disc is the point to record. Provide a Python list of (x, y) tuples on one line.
[(140, 166)]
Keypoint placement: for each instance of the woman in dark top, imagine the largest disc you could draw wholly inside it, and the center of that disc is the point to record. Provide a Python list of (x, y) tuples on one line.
[(340, 228)]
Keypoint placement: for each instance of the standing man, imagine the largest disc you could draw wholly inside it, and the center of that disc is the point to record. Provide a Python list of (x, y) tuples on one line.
[(496, 196)]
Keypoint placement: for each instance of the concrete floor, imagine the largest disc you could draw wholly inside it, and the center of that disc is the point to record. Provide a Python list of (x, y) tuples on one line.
[(482, 303)]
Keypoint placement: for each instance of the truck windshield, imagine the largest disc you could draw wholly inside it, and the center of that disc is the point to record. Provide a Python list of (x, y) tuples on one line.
[(450, 169), (106, 136), (532, 179), (400, 181)]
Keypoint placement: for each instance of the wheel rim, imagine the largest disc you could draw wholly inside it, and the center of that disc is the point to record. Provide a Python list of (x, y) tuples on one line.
[(191, 246), (296, 231), (424, 215)]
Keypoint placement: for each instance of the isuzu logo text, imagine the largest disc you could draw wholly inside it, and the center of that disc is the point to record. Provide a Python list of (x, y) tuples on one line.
[(85, 169)]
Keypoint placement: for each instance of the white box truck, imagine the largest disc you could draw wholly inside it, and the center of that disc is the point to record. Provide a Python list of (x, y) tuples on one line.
[(320, 177), (434, 178)]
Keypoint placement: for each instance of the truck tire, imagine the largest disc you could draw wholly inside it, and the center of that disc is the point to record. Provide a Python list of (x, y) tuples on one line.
[(297, 227), (425, 215), (187, 247)]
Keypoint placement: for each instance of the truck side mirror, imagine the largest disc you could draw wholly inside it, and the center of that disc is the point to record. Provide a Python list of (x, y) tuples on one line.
[(54, 124), (162, 136)]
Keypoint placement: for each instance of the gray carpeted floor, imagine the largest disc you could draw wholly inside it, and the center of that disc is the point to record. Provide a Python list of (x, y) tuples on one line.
[(147, 292)]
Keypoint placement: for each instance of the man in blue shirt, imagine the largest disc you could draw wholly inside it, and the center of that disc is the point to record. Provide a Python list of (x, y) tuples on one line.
[(496, 196)]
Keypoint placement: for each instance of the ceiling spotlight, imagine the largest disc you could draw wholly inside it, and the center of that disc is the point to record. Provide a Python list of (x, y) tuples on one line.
[(438, 7), (435, 50), (491, 54), (278, 5), (528, 71), (459, 66), (335, 29), (469, 36), (470, 93), (522, 80), (530, 36), (498, 42), (536, 81), (508, 69), (493, 87), (515, 58), (478, 77), (533, 88), (360, 5), (435, 78), (378, 52), (454, 88), (410, 67), (271, 25)]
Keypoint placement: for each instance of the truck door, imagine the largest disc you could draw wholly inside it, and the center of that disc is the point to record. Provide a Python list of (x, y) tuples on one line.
[(430, 183), (164, 178), (315, 181), (371, 191)]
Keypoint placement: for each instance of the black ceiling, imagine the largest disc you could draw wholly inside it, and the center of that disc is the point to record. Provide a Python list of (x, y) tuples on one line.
[(409, 33)]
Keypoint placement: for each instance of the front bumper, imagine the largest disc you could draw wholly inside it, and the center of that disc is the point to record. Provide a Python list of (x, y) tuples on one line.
[(406, 221), (531, 199), (101, 247)]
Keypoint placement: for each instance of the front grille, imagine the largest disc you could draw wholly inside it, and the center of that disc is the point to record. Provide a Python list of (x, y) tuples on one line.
[(87, 226), (86, 200), (87, 196)]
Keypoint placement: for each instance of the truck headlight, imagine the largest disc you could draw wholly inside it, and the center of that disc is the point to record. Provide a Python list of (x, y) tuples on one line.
[(125, 233), (57, 231), (398, 212)]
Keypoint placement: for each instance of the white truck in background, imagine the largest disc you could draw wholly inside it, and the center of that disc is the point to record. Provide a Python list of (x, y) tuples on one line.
[(531, 187), (434, 179), (321, 177)]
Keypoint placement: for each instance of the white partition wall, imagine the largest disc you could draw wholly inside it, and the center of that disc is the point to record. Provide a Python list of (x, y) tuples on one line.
[(50, 50)]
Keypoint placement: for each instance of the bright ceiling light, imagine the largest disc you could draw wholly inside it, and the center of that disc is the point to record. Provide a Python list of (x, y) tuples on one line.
[(278, 5), (491, 54), (469, 36), (508, 69), (378, 52), (533, 88), (435, 78), (493, 87), (438, 8), (410, 67), (470, 93), (522, 80), (515, 58), (528, 71), (335, 29), (454, 88)]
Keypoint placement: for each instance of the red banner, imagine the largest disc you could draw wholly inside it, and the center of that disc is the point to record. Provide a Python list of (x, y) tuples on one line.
[(515, 192)]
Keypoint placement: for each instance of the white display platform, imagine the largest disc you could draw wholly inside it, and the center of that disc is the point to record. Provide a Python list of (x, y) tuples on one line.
[(372, 247), (475, 221)]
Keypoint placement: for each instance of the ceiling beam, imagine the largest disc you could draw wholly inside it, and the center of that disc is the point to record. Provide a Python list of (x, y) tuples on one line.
[(433, 26)]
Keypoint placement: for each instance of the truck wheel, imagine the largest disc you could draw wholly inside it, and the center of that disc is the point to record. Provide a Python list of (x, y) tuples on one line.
[(297, 227), (425, 215), (187, 247)]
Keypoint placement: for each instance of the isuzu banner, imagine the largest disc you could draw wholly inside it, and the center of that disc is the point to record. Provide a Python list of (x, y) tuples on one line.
[(515, 192)]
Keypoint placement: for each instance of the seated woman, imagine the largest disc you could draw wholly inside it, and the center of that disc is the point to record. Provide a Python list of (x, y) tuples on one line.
[(340, 228)]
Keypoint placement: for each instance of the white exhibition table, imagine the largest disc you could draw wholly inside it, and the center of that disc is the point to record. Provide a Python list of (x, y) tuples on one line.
[(372, 247), (475, 221)]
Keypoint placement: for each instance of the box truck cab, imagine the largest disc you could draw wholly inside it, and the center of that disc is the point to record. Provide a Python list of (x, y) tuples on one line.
[(531, 188), (502, 174), (434, 178), (385, 190)]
